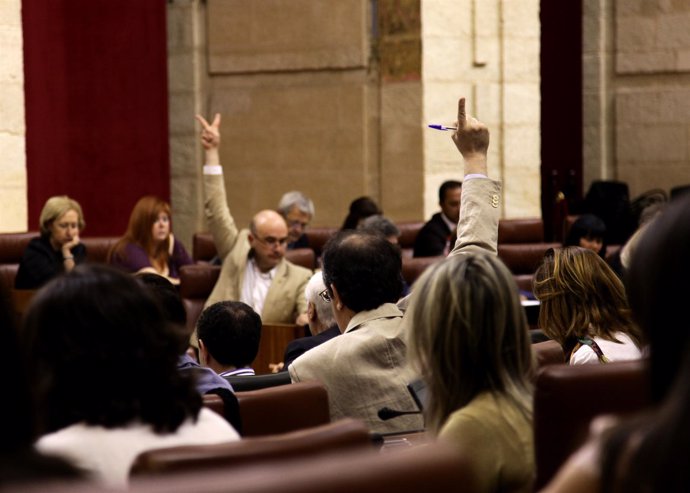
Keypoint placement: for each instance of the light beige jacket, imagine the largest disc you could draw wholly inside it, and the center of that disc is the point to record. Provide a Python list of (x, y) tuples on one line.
[(365, 368), (285, 299)]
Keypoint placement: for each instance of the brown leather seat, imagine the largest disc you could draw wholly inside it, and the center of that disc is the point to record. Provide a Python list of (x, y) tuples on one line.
[(434, 467), (12, 246), (342, 435), (548, 353), (284, 408), (98, 247), (318, 236), (196, 283), (521, 230), (413, 267), (523, 259), (567, 398)]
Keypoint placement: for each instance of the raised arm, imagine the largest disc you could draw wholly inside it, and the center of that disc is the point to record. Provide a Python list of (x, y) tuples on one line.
[(480, 200), (220, 221)]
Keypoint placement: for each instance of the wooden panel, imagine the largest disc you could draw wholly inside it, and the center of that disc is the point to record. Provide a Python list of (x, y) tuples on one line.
[(274, 340)]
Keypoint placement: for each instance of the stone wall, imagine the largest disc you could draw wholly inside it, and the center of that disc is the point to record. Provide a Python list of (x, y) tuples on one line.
[(636, 98), (187, 84), (13, 201), (487, 51)]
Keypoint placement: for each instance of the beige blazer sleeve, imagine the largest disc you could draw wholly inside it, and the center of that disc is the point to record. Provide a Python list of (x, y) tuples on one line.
[(479, 212), (220, 222)]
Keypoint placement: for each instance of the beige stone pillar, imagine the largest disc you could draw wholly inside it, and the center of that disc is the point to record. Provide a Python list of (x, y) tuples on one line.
[(13, 201)]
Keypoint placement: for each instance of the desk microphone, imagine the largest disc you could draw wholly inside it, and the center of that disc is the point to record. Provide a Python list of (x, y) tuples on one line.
[(386, 413)]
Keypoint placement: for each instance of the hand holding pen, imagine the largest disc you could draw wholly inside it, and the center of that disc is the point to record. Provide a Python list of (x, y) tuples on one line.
[(471, 137)]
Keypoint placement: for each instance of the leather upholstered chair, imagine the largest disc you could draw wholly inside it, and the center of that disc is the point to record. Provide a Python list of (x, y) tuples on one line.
[(413, 267), (568, 397), (523, 259), (196, 284), (548, 353), (283, 408), (343, 435), (521, 230)]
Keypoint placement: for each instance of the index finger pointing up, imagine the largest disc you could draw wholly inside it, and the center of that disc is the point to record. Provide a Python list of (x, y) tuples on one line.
[(216, 121), (461, 112)]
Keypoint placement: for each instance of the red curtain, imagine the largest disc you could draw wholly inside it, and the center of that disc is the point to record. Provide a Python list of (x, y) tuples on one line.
[(96, 106)]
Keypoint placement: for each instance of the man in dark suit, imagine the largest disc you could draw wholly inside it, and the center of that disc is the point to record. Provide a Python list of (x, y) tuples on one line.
[(437, 236), (322, 324)]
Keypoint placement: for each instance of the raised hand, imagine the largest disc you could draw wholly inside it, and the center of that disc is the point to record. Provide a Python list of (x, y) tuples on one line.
[(210, 132), (472, 140)]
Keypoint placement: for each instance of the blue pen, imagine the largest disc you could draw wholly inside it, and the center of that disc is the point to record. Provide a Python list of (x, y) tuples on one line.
[(441, 127)]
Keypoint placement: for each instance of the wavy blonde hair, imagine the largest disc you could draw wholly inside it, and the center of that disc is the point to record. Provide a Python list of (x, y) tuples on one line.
[(468, 335), (580, 296), (54, 208)]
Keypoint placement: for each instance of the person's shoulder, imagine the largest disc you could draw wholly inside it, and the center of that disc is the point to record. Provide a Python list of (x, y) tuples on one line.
[(39, 243)]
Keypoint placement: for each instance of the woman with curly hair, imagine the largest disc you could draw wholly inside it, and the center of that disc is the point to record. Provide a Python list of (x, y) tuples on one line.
[(102, 365), (583, 306), (149, 245)]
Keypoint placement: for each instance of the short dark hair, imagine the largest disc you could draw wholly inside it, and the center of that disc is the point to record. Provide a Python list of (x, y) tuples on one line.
[(445, 186), (231, 331), (588, 226), (366, 269), (101, 351)]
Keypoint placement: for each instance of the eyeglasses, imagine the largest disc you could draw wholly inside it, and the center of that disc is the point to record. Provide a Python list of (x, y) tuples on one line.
[(272, 242), (325, 295), (297, 222)]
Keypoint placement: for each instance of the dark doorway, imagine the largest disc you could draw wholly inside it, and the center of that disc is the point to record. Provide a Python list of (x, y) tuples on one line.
[(561, 113)]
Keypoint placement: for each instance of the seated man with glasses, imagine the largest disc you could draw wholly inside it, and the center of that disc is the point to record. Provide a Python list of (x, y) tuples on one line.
[(254, 269), (298, 211)]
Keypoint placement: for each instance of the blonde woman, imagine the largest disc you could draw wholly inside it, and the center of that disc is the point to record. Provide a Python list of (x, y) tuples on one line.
[(58, 249), (584, 307), (470, 340)]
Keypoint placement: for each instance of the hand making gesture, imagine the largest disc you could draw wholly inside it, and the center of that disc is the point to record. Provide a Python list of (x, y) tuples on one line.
[(210, 133), (472, 140)]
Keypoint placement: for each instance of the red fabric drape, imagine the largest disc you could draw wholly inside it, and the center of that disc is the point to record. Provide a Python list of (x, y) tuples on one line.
[(96, 106)]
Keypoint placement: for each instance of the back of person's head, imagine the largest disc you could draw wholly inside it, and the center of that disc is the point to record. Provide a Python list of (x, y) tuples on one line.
[(19, 461), (580, 295), (590, 227), (381, 225), (657, 288), (101, 352), (17, 411), (231, 332), (445, 186), (469, 334), (360, 208), (312, 293), (54, 208), (168, 297), (295, 199), (365, 269)]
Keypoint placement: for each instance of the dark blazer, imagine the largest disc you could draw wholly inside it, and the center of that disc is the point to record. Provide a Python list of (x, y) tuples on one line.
[(433, 238), (300, 346)]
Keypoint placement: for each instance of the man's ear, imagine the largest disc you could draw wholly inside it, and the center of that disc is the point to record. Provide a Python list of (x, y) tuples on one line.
[(203, 353), (311, 311), (337, 301)]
